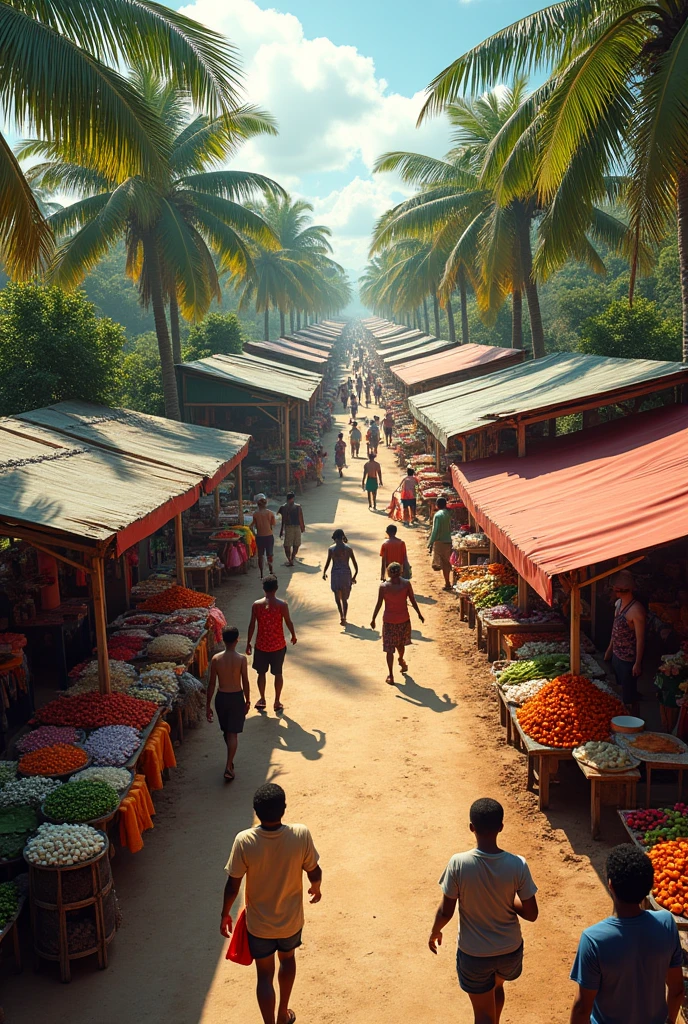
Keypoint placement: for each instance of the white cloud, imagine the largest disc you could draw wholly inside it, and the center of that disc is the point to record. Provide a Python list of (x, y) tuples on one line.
[(334, 112)]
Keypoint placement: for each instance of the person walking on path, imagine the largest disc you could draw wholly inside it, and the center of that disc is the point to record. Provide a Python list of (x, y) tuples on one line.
[(344, 395), (355, 439), (372, 475), (229, 670), (359, 386), (367, 392), (263, 522), (340, 453), (270, 615), (319, 467), (273, 857), (354, 406), (392, 550), (440, 542), (396, 623), (373, 436), (627, 644), (292, 527), (341, 581), (388, 427), (493, 889), (377, 392), (408, 488), (627, 965)]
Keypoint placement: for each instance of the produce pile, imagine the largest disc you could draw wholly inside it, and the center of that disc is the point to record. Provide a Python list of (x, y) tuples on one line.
[(31, 791), (9, 902), (85, 676), (538, 613), (8, 771), (148, 588), (55, 845), (15, 641), (497, 598), (175, 597), (125, 648), (187, 616), (46, 736), (76, 802), (113, 744), (16, 824), (670, 861), (519, 640), (148, 693), (193, 630), (569, 711), (171, 646), (658, 825), (118, 778), (137, 619), (91, 710), (603, 755), (477, 580), (519, 693), (165, 681), (547, 666), (57, 759)]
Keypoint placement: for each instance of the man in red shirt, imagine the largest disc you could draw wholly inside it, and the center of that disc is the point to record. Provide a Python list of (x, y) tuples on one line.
[(392, 550)]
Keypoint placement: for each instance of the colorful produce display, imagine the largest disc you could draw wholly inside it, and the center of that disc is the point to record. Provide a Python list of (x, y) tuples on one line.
[(16, 641), (76, 802), (46, 736), (569, 711), (148, 693), (519, 693), (91, 710), (122, 675), (31, 791), (164, 680), (54, 760), (55, 845), (176, 597), (498, 597), (519, 640), (118, 778), (549, 665), (16, 824), (125, 648), (9, 902), (171, 646), (670, 861), (603, 755), (113, 744), (658, 825), (8, 771), (193, 630)]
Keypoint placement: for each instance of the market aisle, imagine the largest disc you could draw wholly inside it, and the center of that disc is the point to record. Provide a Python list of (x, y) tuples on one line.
[(382, 775)]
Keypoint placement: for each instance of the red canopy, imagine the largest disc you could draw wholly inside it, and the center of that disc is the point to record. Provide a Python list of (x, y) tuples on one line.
[(586, 497), (462, 360)]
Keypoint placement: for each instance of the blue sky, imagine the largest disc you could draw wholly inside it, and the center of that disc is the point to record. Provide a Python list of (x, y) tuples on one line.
[(345, 81)]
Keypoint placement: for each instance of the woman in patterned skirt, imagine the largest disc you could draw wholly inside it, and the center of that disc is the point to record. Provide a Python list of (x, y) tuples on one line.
[(341, 581), (396, 594)]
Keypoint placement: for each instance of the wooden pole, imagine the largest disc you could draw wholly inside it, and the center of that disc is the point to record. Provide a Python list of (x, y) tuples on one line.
[(127, 588), (438, 455), (216, 500), (240, 492), (287, 446), (521, 439), (575, 630), (100, 616), (298, 421), (179, 549), (523, 594)]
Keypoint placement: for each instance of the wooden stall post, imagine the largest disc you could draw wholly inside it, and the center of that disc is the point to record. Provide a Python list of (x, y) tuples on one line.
[(100, 615), (438, 454), (298, 421), (575, 626), (216, 502), (521, 439), (287, 446), (240, 492), (523, 594), (125, 576), (179, 549)]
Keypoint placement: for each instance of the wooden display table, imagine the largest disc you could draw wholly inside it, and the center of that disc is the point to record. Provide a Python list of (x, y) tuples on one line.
[(467, 555), (504, 712), (624, 785), (681, 922), (543, 762), (495, 634), (668, 766), (467, 610), (207, 574)]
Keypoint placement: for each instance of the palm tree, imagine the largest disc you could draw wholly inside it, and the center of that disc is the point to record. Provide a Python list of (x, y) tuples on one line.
[(615, 97), (173, 223), (58, 78)]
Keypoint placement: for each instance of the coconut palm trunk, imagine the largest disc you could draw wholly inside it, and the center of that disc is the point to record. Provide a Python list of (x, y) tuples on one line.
[(426, 318), (266, 324), (536, 330), (450, 322), (516, 318), (436, 311), (169, 380), (282, 323), (291, 320), (298, 319), (174, 329), (682, 219), (464, 306)]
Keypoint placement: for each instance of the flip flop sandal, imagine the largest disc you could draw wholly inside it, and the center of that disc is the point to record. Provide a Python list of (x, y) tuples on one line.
[(279, 708), (229, 775), (403, 666), (261, 706), (390, 680)]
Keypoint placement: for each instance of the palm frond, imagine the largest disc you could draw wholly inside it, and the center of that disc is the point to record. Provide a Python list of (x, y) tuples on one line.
[(25, 238), (235, 185)]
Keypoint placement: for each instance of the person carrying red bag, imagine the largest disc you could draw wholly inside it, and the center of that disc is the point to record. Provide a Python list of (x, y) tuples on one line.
[(273, 857)]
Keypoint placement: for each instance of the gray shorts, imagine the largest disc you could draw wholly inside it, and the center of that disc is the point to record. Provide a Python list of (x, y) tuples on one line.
[(478, 974), (260, 948)]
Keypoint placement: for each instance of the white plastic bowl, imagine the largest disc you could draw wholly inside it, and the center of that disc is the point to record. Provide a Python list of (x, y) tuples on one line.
[(627, 724)]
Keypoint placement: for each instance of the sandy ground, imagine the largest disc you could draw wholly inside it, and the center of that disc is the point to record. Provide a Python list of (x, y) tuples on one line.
[(383, 776)]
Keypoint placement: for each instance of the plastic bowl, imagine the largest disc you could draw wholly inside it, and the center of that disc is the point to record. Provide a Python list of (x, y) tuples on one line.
[(627, 724)]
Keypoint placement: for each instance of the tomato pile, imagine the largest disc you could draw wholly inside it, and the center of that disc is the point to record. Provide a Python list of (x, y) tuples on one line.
[(517, 640), (55, 760), (176, 597), (670, 861), (93, 710), (125, 648), (569, 711)]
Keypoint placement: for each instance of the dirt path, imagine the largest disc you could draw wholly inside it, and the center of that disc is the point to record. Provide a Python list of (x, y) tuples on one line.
[(384, 778)]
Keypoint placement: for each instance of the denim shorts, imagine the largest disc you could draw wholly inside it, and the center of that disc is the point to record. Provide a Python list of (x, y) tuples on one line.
[(623, 670), (477, 974), (260, 948)]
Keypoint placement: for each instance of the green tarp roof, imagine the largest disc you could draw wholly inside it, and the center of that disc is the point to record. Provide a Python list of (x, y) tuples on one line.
[(415, 350), (540, 385), (257, 374)]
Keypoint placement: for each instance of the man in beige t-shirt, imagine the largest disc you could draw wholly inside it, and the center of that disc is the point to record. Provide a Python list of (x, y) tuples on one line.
[(273, 857)]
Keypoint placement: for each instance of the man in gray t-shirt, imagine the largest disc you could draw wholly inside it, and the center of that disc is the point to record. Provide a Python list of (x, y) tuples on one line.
[(493, 889)]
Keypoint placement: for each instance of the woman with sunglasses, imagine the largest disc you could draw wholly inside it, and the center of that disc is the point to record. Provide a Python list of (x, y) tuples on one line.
[(396, 594)]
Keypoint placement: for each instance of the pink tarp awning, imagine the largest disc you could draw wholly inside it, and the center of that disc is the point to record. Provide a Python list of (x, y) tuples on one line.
[(586, 497), (471, 360)]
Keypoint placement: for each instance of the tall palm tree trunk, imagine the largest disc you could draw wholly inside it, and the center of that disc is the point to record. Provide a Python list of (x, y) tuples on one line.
[(436, 310), (266, 324), (536, 330), (169, 380), (450, 322), (426, 318), (281, 313), (291, 320), (516, 318), (298, 319), (682, 218), (174, 329), (464, 306)]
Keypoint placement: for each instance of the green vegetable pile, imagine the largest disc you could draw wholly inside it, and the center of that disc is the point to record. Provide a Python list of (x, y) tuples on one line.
[(9, 902), (500, 595), (77, 802), (545, 666), (8, 770), (16, 825)]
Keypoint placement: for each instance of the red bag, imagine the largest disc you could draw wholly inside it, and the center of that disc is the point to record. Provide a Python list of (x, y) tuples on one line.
[(238, 951)]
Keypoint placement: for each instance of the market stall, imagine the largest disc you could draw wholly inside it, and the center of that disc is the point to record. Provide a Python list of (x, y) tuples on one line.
[(462, 362)]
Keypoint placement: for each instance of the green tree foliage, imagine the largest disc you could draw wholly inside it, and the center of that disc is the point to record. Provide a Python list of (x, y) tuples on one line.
[(639, 331), (141, 376), (217, 333), (54, 347)]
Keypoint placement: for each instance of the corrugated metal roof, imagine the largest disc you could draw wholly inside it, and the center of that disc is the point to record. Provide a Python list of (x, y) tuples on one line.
[(556, 381), (305, 345), (310, 339), (203, 451), (283, 355), (52, 482), (471, 360), (258, 374), (389, 341), (416, 349), (387, 330)]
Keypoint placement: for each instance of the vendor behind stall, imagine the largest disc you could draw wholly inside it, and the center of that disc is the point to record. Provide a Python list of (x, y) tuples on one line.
[(627, 643)]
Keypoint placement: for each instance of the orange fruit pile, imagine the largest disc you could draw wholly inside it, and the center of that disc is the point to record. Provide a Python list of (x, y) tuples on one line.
[(670, 861), (54, 760), (568, 711), (176, 597)]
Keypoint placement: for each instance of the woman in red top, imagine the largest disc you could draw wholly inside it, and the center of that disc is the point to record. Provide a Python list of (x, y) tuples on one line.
[(270, 615), (396, 593)]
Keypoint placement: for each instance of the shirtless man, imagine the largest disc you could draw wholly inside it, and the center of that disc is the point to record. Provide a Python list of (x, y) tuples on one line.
[(372, 475), (264, 521), (230, 671), (355, 439)]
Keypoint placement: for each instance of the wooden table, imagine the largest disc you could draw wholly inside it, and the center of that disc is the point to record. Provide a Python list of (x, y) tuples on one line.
[(668, 766), (681, 922), (207, 573), (496, 629), (467, 610), (543, 762), (465, 554), (504, 712), (626, 783)]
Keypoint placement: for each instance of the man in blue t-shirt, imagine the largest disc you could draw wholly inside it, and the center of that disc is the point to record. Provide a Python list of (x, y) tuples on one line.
[(628, 967)]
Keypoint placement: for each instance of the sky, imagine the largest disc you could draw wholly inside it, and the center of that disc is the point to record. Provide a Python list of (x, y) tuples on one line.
[(346, 83)]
